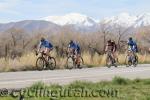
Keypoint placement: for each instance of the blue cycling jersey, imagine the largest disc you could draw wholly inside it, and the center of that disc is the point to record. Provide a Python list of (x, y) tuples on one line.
[(132, 45), (75, 46), (46, 44)]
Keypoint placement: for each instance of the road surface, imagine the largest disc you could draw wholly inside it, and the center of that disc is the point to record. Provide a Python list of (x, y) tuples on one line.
[(25, 79)]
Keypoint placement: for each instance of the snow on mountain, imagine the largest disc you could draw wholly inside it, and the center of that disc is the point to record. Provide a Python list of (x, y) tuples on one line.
[(79, 22), (71, 19), (143, 20), (126, 20), (123, 20)]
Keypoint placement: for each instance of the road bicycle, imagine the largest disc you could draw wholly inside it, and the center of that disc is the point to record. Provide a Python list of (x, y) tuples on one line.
[(45, 62), (74, 62), (131, 59), (110, 60)]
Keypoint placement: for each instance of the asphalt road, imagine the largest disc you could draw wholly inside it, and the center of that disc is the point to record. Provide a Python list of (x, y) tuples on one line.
[(25, 79)]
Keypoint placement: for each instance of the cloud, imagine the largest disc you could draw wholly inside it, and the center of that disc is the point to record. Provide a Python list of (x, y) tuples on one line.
[(6, 6)]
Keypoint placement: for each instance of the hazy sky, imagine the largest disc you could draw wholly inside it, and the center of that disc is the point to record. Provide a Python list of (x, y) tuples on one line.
[(14, 10)]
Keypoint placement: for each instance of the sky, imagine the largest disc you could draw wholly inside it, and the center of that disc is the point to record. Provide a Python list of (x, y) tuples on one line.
[(16, 10)]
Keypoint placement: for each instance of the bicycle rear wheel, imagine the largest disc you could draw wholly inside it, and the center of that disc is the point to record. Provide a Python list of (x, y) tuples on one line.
[(135, 63), (40, 63), (81, 63), (51, 63)]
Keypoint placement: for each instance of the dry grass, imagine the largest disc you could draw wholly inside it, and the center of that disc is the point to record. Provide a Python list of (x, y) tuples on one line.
[(27, 61)]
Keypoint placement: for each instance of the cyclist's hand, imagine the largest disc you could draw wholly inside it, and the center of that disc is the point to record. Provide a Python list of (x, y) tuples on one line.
[(36, 53)]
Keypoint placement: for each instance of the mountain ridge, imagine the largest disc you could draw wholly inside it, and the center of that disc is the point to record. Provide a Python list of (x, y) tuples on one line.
[(79, 22)]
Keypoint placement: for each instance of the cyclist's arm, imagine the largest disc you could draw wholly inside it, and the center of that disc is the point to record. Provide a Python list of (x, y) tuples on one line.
[(106, 48), (114, 49), (69, 47), (127, 48), (39, 47)]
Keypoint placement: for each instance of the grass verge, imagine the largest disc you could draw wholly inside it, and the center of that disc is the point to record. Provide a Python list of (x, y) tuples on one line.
[(117, 89)]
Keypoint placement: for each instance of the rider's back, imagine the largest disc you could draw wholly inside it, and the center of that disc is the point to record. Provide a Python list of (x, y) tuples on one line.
[(132, 45), (46, 43), (109, 46)]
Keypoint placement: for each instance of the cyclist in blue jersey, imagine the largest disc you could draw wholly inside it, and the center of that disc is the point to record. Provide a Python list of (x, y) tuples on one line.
[(132, 45), (132, 50), (45, 46), (74, 48)]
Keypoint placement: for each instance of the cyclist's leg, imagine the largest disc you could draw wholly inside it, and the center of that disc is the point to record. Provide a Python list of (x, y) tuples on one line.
[(47, 52), (112, 57), (78, 57), (71, 52), (109, 57), (75, 55), (41, 50), (115, 56), (135, 56), (129, 55)]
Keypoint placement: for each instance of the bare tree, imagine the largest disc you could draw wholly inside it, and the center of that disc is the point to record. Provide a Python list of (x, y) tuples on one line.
[(122, 33), (104, 30)]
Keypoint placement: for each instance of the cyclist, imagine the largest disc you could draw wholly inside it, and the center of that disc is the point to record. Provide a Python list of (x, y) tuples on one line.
[(132, 47), (74, 48), (45, 46), (111, 47), (114, 50)]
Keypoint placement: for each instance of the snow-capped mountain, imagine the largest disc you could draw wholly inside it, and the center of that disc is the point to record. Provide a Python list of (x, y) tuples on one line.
[(143, 20), (78, 22), (127, 20), (71, 19), (123, 20)]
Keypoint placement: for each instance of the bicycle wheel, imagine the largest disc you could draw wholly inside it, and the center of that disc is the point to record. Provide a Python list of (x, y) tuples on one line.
[(108, 62), (114, 62), (128, 62), (135, 63), (40, 63), (70, 63), (51, 63), (81, 63)]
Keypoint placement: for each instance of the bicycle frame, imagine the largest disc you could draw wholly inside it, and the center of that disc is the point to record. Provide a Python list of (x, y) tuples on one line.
[(132, 58), (109, 55)]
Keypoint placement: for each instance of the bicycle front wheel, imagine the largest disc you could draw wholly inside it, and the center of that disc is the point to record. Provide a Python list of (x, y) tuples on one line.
[(70, 63), (128, 61), (108, 61), (40, 63), (136, 61)]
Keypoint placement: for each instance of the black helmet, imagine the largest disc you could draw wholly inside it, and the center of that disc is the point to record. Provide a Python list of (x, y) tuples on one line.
[(71, 41), (42, 39), (130, 38), (109, 41)]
